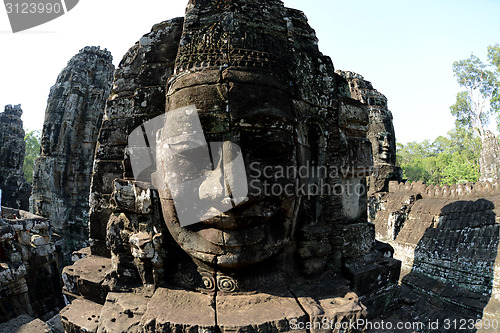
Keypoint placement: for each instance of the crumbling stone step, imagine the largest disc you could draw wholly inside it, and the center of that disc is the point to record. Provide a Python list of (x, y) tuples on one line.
[(25, 324), (85, 278), (81, 316)]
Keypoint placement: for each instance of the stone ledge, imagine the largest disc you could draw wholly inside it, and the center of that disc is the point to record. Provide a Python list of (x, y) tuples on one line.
[(85, 278), (173, 310), (179, 311), (24, 324), (81, 316), (258, 312), (123, 312)]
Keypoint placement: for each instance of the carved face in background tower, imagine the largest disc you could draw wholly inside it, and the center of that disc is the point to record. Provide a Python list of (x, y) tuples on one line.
[(384, 148), (381, 134), (221, 200)]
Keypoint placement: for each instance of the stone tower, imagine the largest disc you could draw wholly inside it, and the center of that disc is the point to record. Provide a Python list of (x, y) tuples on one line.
[(15, 189), (235, 82), (62, 174), (490, 158), (381, 132)]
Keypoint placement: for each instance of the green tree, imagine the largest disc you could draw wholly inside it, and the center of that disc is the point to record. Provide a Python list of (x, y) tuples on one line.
[(494, 59), (413, 159), (455, 158), (460, 170), (494, 55), (32, 140), (474, 107), (448, 160)]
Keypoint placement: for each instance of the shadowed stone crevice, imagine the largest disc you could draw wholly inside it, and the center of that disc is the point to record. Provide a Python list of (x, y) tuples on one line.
[(308, 317), (216, 317)]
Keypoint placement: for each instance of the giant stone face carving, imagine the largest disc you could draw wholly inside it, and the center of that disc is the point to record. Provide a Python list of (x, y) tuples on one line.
[(382, 137), (249, 102), (237, 117), (235, 75)]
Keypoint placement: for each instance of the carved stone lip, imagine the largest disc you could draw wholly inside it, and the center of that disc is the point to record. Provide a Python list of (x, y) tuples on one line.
[(233, 222), (251, 213), (234, 238), (248, 231)]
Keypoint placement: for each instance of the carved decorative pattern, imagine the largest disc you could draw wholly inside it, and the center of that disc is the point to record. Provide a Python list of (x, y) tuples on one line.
[(208, 281), (189, 276), (202, 280), (226, 284)]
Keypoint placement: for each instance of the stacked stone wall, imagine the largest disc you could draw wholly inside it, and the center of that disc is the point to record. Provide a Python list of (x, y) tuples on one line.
[(447, 238), (30, 281)]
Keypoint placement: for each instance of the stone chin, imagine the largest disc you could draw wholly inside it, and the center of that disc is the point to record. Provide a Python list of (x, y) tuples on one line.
[(247, 256), (384, 157), (235, 248)]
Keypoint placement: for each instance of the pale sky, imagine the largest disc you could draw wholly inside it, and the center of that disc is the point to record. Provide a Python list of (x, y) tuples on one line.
[(405, 48)]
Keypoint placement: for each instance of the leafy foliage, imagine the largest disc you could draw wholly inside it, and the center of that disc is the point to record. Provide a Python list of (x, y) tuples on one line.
[(448, 160), (494, 55), (494, 59), (32, 140), (455, 158), (474, 107)]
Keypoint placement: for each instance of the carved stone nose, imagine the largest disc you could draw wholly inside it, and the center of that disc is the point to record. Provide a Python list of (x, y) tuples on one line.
[(213, 187), (386, 143)]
